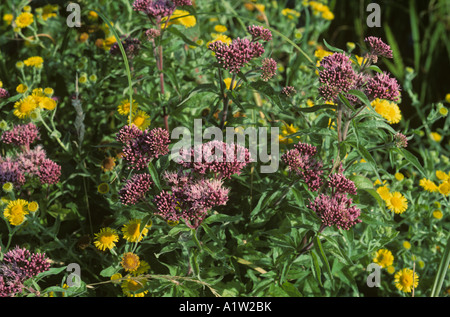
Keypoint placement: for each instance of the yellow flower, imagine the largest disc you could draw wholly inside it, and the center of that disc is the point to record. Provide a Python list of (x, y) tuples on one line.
[(290, 13), (15, 211), (92, 15), (24, 107), (227, 82), (124, 107), (388, 110), (33, 206), (8, 17), (383, 258), (438, 214), (399, 176), (405, 280), (103, 188), (130, 262), (49, 11), (397, 203), (443, 111), (442, 175), (106, 239), (328, 15), (133, 232), (436, 136), (181, 17), (21, 89), (24, 20), (321, 53), (108, 42), (108, 164), (35, 61), (287, 130), (49, 91), (444, 188), (8, 187), (428, 185), (143, 268), (140, 119), (447, 98), (116, 277), (134, 287), (407, 245), (384, 192), (220, 37), (390, 269), (219, 28)]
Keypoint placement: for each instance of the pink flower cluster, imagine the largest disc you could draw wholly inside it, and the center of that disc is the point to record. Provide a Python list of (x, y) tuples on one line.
[(337, 76), (378, 48), (268, 68), (288, 91), (17, 266), (27, 163), (236, 55), (221, 158), (400, 140), (190, 198), (130, 45), (140, 147), (21, 135), (336, 210), (3, 93), (259, 33), (301, 160), (135, 189), (158, 9), (337, 207)]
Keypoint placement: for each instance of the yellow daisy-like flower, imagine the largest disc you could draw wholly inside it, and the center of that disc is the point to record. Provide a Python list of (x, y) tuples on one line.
[(24, 107), (219, 28), (108, 164), (320, 53), (383, 258), (384, 192), (34, 61), (103, 188), (106, 239), (390, 269), (444, 188), (388, 110), (21, 89), (8, 187), (328, 15), (438, 214), (134, 287), (428, 185), (8, 18), (24, 20), (181, 17), (140, 119), (397, 203), (442, 175), (49, 11), (399, 176), (15, 211), (287, 130), (143, 268), (220, 37), (49, 91), (435, 136), (407, 245), (124, 107), (33, 206), (116, 277), (133, 232), (130, 262), (108, 42), (405, 280), (290, 13), (227, 82)]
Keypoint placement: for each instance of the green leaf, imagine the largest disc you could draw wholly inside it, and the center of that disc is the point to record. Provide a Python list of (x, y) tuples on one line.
[(369, 159), (318, 247), (413, 160), (316, 267), (442, 271), (332, 48), (291, 290), (155, 175)]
